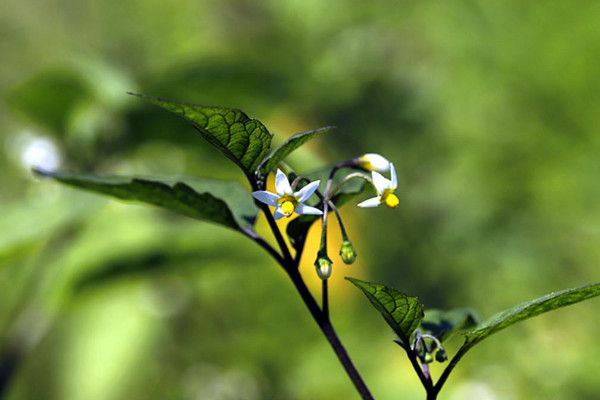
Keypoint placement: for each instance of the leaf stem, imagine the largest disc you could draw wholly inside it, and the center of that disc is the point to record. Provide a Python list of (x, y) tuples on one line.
[(442, 379), (347, 179), (262, 243)]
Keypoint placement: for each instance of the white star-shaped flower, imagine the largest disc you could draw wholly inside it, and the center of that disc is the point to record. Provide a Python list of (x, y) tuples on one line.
[(385, 190), (286, 200)]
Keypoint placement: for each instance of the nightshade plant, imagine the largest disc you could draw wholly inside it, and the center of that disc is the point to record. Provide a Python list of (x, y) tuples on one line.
[(246, 142)]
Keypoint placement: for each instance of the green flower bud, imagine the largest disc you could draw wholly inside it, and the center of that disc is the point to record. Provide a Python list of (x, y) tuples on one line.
[(347, 252), (427, 358), (323, 265), (441, 356)]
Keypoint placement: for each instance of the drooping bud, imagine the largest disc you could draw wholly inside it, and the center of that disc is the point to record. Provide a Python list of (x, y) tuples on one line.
[(440, 355), (347, 252), (373, 162), (323, 265)]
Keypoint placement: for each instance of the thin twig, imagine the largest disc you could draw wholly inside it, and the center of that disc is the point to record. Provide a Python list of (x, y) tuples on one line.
[(325, 303)]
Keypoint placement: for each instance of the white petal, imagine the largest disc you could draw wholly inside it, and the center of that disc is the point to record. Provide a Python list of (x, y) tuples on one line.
[(304, 209), (376, 162), (394, 178), (306, 191), (278, 214), (372, 202), (380, 182), (266, 197), (282, 185)]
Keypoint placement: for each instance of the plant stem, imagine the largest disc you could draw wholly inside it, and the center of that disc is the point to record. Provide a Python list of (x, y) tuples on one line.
[(10, 360), (320, 316), (425, 380), (325, 325)]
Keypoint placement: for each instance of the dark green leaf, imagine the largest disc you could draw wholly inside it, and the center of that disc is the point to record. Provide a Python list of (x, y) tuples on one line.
[(402, 313), (444, 323), (298, 228), (271, 161), (529, 309), (192, 198), (244, 140)]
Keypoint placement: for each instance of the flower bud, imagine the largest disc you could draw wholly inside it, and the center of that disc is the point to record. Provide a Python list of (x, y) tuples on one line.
[(441, 356), (347, 252), (427, 358), (323, 265), (373, 162)]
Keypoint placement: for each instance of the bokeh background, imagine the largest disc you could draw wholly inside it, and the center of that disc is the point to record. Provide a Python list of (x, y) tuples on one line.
[(489, 111)]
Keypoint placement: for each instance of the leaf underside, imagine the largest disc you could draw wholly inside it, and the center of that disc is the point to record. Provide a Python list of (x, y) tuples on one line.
[(529, 309), (243, 140), (294, 142), (179, 197), (402, 313)]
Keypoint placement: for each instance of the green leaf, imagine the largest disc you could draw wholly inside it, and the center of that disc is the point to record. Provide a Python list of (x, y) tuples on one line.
[(243, 140), (444, 323), (192, 198), (298, 228), (402, 313), (527, 310), (271, 161)]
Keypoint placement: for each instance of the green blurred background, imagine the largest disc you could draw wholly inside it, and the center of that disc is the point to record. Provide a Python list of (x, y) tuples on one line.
[(488, 110)]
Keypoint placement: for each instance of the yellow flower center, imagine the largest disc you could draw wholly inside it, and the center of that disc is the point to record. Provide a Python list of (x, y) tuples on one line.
[(288, 204), (390, 199), (287, 208)]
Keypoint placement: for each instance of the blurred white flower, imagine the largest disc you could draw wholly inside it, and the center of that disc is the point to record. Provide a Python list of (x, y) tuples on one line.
[(40, 152)]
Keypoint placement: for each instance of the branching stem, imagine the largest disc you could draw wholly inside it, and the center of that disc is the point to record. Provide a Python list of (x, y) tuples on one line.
[(320, 315)]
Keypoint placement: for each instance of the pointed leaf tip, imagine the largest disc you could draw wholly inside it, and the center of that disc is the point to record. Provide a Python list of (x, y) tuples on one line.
[(293, 143), (528, 310)]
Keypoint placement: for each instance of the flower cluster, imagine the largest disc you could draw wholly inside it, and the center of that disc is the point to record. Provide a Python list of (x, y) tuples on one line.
[(287, 201)]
